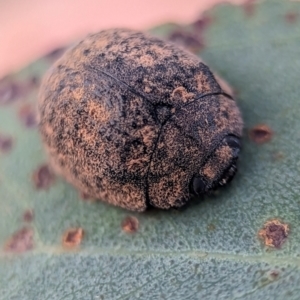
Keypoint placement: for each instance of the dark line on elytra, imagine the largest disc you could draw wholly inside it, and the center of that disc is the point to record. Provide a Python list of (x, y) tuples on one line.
[(158, 136), (125, 84), (205, 95), (187, 104), (148, 204)]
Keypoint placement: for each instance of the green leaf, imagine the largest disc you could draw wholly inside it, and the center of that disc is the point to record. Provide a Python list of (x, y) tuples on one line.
[(211, 250)]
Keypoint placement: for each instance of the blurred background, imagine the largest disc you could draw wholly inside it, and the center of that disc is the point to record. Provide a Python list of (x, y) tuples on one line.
[(32, 28)]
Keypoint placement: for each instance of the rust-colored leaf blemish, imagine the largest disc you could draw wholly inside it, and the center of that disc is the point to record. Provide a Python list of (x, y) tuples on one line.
[(187, 39), (27, 116), (72, 237), (28, 215), (249, 7), (34, 81), (202, 23), (43, 177), (274, 233), (291, 17), (261, 134), (20, 241), (274, 274), (130, 224), (278, 156), (84, 196), (6, 143), (55, 54), (211, 227), (11, 90)]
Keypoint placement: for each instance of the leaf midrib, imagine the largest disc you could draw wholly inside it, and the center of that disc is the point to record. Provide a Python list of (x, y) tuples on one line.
[(56, 251)]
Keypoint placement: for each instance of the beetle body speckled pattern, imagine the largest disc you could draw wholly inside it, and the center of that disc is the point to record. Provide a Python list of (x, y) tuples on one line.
[(135, 121)]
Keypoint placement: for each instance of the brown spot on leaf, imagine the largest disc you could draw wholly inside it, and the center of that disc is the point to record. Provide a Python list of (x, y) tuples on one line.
[(274, 274), (11, 90), (85, 197), (27, 116), (55, 54), (202, 23), (72, 237), (20, 241), (274, 233), (130, 224), (249, 7), (261, 134), (291, 17), (34, 81), (28, 215), (6, 143), (278, 156), (43, 177), (211, 227), (187, 39)]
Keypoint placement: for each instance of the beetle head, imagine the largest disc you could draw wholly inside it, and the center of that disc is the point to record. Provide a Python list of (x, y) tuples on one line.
[(219, 168)]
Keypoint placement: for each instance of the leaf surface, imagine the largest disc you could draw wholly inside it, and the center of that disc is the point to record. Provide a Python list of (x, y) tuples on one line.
[(212, 249)]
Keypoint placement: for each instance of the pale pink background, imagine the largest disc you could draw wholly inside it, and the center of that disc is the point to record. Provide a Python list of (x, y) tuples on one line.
[(31, 28)]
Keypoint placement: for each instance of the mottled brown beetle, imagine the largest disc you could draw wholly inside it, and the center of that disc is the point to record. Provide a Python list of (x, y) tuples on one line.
[(137, 122)]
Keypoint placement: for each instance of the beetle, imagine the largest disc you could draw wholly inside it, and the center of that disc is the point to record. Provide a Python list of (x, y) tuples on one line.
[(137, 122)]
